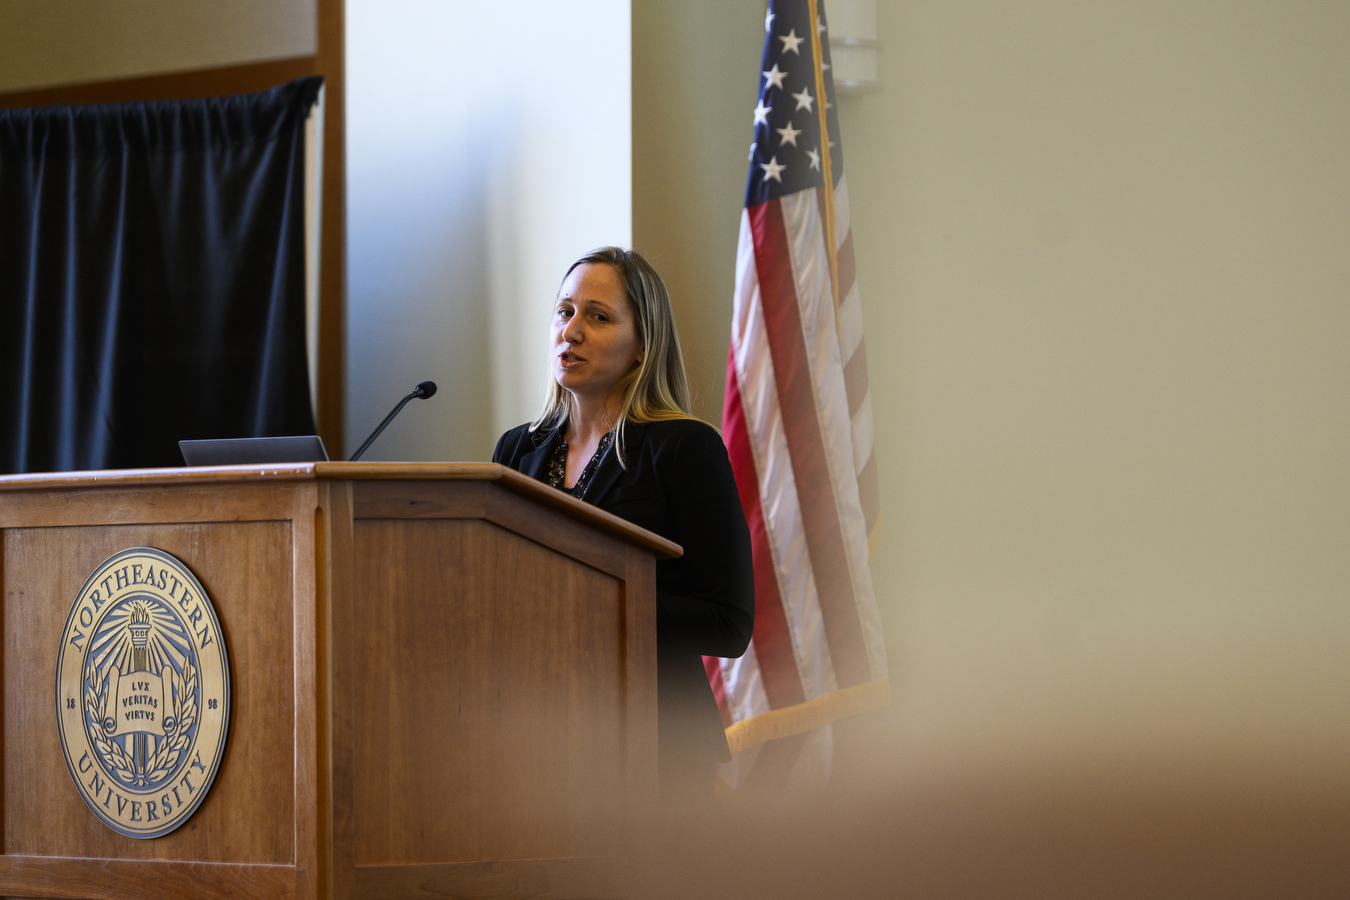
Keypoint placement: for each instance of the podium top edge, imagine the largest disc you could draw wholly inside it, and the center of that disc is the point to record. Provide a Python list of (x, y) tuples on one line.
[(306, 471), (347, 471), (87, 478)]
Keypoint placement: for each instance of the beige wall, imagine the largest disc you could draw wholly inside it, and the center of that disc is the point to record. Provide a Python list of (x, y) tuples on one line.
[(695, 66), (1101, 250), (44, 43)]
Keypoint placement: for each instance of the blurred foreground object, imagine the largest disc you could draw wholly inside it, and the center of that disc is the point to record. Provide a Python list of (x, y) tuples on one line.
[(798, 424), (889, 827)]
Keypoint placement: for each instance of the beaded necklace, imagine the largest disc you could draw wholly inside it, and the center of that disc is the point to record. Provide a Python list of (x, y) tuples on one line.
[(557, 466)]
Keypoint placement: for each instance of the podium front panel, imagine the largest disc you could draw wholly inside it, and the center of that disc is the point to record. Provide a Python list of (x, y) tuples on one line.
[(241, 542), (439, 684), (488, 723), (242, 565)]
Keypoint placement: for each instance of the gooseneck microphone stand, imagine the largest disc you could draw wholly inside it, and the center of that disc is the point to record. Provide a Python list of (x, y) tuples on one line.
[(421, 392)]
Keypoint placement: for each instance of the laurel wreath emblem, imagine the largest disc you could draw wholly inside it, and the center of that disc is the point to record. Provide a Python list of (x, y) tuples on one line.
[(167, 754)]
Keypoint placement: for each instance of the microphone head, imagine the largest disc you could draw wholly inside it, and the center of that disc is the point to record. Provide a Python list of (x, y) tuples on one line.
[(425, 389)]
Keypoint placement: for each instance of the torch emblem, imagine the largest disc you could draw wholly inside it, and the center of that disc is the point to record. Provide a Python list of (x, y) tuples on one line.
[(143, 692)]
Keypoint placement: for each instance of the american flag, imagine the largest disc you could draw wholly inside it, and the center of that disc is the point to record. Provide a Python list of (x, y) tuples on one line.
[(798, 420)]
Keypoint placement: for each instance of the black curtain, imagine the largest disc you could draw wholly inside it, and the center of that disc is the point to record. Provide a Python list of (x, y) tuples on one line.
[(152, 278)]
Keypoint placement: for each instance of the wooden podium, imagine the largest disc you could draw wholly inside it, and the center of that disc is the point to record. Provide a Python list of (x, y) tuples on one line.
[(443, 682)]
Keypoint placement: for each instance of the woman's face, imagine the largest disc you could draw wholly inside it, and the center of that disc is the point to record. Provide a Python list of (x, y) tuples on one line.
[(595, 341)]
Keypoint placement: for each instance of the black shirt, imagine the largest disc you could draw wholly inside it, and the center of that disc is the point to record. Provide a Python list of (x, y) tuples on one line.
[(677, 483)]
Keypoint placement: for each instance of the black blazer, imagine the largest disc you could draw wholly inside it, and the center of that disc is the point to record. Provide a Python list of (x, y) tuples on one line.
[(678, 483)]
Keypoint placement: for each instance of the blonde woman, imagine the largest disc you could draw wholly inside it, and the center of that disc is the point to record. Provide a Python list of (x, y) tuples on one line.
[(615, 430)]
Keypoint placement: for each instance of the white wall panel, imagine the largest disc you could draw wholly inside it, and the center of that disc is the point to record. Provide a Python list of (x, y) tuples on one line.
[(488, 146)]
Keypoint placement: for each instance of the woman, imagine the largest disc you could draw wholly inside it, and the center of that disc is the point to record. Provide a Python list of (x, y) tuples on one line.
[(616, 431)]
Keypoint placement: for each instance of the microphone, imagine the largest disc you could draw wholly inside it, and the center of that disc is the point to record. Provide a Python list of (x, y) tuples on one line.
[(421, 392)]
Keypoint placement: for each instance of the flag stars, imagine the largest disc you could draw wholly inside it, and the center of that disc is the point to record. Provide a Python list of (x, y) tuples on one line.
[(773, 170), (812, 150), (790, 42), (775, 77)]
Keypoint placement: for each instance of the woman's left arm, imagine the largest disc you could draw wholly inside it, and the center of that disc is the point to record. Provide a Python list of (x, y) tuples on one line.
[(714, 615)]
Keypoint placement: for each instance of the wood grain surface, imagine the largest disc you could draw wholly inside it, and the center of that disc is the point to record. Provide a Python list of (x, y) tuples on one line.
[(336, 573), (419, 499), (219, 502), (78, 879), (489, 713), (246, 570), (640, 679), (439, 684), (511, 480), (159, 478), (312, 708), (543, 879)]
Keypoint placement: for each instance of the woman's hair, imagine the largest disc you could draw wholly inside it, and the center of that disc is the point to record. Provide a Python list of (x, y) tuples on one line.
[(656, 389)]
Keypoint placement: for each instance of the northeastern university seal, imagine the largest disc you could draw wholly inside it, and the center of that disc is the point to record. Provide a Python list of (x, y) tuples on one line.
[(143, 692)]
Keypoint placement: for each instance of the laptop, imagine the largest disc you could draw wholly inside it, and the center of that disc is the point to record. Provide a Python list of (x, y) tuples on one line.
[(254, 451)]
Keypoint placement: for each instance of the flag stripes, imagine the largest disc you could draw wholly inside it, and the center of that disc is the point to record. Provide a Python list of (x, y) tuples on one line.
[(793, 642), (796, 415), (772, 637), (854, 352), (798, 418), (788, 332)]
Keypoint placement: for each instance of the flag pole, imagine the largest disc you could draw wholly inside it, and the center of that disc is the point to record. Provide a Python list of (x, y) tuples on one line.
[(831, 248)]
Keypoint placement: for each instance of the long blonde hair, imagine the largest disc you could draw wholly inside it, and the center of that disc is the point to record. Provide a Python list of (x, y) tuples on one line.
[(657, 389)]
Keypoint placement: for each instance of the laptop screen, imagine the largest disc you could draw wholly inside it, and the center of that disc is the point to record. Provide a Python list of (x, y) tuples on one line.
[(253, 451)]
